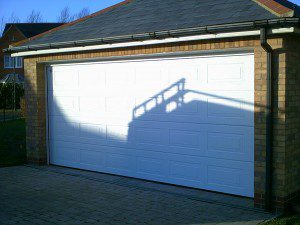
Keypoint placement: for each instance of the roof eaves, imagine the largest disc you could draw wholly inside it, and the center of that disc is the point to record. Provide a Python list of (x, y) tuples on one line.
[(73, 22), (212, 29)]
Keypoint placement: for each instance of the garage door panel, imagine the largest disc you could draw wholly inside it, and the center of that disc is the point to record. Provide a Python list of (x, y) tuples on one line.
[(186, 121), (184, 70), (186, 171), (63, 129), (218, 141), (64, 154), (92, 81), (224, 72), (225, 142), (234, 109), (172, 168), (90, 104), (189, 108), (218, 175), (91, 158), (92, 131), (150, 106), (151, 135), (61, 104), (230, 142), (211, 141), (227, 73), (215, 116), (154, 77), (64, 80), (183, 108), (119, 105), (122, 77), (232, 176), (120, 163), (117, 133), (183, 138), (151, 166)]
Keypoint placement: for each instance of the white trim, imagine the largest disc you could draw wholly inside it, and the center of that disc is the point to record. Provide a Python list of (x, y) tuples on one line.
[(17, 61), (283, 30), (47, 72), (153, 42)]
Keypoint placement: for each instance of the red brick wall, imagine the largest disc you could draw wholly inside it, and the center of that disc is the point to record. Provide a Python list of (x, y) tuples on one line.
[(11, 36)]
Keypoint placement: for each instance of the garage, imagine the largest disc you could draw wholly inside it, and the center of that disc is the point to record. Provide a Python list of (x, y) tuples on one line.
[(181, 120), (200, 94)]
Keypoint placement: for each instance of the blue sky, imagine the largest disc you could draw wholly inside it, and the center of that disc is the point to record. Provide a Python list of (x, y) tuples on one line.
[(296, 2), (50, 9)]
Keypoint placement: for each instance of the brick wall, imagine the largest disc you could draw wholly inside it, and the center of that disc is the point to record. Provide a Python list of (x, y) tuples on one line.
[(11, 36), (292, 137), (36, 123), (279, 57)]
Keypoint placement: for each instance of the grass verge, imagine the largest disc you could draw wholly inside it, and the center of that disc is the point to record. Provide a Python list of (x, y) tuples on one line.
[(286, 219)]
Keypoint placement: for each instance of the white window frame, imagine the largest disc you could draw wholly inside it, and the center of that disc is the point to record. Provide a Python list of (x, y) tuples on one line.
[(9, 62), (19, 62)]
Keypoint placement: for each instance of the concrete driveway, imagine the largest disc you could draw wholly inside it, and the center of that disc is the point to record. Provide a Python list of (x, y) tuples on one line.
[(55, 195)]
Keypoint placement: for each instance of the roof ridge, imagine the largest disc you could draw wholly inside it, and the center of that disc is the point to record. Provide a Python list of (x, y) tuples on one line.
[(74, 22), (281, 8)]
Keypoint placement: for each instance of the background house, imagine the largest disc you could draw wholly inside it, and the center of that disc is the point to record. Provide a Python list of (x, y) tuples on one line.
[(14, 32)]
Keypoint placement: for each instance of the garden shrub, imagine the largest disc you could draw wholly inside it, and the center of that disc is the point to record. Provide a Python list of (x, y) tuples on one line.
[(7, 95)]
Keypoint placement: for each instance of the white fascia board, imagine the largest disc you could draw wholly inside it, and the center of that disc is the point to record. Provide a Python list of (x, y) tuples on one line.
[(153, 42)]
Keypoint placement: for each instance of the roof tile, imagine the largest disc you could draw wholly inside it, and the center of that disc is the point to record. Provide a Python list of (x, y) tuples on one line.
[(143, 16)]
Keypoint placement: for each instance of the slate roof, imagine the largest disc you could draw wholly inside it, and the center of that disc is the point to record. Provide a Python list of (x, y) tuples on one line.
[(32, 29), (143, 16)]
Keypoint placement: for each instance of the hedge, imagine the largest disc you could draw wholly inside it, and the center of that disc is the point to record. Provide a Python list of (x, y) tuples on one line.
[(7, 95)]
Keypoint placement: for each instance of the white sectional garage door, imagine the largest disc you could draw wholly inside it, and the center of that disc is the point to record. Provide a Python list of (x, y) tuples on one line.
[(185, 121)]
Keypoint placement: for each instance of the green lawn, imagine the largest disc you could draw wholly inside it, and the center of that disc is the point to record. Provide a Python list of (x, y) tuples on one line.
[(12, 143), (287, 219)]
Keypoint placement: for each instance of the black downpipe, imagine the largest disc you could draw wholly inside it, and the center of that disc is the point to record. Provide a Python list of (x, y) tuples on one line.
[(269, 119)]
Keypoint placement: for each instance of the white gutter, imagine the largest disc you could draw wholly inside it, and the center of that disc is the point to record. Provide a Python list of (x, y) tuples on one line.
[(154, 42)]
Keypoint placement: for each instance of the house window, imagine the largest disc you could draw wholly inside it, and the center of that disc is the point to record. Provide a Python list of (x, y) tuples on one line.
[(9, 62), (19, 62)]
